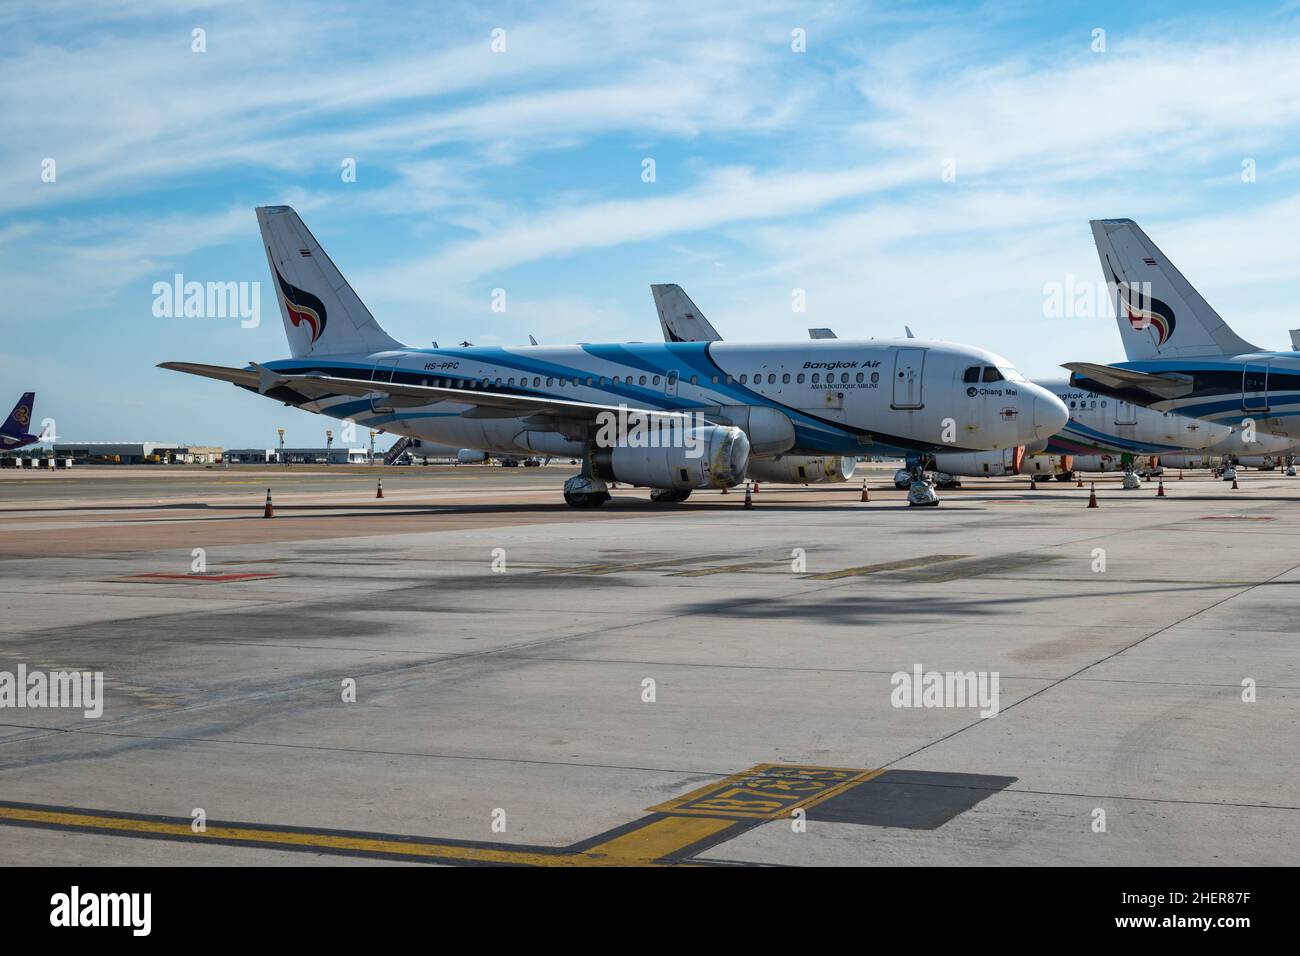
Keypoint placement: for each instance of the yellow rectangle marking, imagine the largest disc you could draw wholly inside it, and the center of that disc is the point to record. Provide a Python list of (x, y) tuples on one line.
[(885, 566), (658, 839), (766, 791)]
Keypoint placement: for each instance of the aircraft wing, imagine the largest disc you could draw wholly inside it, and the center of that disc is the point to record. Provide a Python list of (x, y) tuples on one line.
[(1142, 388), (400, 395)]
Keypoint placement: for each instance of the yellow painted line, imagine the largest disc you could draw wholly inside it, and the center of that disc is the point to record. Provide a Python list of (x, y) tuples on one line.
[(764, 792), (886, 566), (657, 839), (725, 569), (289, 838)]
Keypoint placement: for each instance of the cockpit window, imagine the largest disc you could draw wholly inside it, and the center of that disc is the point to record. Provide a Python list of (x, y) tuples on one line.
[(991, 374), (972, 374), (1011, 374)]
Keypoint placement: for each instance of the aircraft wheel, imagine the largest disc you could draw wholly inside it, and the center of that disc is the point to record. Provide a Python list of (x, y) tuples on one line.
[(669, 495), (921, 495), (586, 499)]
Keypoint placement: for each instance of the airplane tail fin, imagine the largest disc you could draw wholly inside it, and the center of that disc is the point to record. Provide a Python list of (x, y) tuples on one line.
[(19, 422), (1160, 315), (321, 313), (681, 320)]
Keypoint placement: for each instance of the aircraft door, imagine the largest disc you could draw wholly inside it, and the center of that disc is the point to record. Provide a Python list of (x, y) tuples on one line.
[(909, 365), (1126, 413), (1254, 388), (383, 371), (670, 384)]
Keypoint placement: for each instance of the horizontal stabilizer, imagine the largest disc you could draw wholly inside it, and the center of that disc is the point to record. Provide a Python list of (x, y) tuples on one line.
[(1142, 388)]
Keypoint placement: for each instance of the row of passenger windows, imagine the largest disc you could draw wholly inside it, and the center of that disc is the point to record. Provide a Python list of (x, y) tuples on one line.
[(816, 378), (1084, 404), (537, 380), (653, 380)]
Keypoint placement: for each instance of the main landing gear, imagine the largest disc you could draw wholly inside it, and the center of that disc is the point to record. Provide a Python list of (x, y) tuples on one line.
[(920, 493), (920, 490), (585, 491)]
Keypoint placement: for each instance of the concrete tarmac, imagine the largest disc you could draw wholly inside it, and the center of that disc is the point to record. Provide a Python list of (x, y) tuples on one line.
[(647, 683)]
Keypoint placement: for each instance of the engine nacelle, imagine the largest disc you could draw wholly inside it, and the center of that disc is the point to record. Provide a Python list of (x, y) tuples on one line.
[(1190, 461), (1262, 462), (1115, 462), (769, 430), (1005, 461), (469, 456), (714, 456), (803, 469)]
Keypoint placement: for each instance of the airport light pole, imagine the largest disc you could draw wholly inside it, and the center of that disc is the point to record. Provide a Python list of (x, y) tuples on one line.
[(329, 444), (284, 461), (372, 446)]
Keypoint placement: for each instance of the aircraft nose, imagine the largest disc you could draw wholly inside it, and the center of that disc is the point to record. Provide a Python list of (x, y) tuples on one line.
[(1050, 414)]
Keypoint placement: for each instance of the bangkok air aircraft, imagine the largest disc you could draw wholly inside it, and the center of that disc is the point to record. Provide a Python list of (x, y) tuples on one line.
[(672, 417), (1182, 356), (1102, 433)]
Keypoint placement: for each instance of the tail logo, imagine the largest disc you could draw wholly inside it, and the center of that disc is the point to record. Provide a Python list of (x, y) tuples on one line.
[(22, 415), (302, 307), (1158, 316)]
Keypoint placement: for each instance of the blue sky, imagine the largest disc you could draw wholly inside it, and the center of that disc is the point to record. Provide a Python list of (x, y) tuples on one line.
[(522, 170)]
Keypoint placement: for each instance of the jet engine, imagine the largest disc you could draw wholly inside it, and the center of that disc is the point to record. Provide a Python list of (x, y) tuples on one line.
[(1198, 460), (1006, 461), (714, 456), (1099, 462), (803, 469)]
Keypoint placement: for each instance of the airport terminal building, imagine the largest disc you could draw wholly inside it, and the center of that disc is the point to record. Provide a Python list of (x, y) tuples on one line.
[(298, 456)]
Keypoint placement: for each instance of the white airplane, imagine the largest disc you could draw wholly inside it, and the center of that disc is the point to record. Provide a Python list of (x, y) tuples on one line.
[(713, 408), (1102, 434), (1182, 356)]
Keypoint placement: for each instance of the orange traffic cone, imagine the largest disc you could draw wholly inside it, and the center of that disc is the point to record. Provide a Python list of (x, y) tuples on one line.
[(1033, 482), (379, 492), (1160, 489), (268, 511), (725, 491), (1234, 484), (755, 484), (749, 497), (1180, 474), (865, 496), (1092, 496), (1079, 481)]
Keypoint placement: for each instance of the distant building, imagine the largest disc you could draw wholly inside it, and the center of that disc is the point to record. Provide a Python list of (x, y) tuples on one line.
[(298, 456), (201, 454), (120, 453)]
